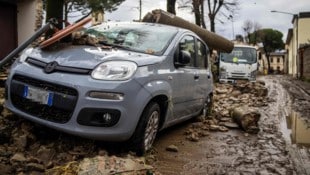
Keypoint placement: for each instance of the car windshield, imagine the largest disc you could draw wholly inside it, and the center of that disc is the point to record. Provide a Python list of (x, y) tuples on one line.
[(146, 38), (241, 55)]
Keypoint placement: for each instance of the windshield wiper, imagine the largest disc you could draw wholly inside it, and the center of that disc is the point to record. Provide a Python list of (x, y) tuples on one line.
[(114, 45)]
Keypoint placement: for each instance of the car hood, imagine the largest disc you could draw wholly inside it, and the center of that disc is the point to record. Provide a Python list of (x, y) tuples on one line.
[(89, 57)]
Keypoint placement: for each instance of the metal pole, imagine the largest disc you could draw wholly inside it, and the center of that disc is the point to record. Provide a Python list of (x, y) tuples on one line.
[(27, 42), (140, 9)]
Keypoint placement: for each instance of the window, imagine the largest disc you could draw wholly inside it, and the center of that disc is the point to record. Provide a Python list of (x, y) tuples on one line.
[(271, 60), (202, 55), (278, 60), (188, 44)]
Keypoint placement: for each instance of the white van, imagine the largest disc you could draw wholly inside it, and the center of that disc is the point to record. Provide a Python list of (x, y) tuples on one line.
[(240, 64)]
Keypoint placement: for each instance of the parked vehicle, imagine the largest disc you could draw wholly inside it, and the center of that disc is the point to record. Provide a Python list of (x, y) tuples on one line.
[(241, 63), (138, 79)]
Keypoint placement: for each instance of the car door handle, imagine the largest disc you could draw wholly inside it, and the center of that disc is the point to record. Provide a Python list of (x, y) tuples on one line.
[(196, 77), (208, 75)]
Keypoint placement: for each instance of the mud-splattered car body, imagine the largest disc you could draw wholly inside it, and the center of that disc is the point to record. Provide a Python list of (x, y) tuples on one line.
[(138, 79)]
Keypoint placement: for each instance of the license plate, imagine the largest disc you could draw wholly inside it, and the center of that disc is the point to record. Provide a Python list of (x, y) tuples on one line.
[(38, 95)]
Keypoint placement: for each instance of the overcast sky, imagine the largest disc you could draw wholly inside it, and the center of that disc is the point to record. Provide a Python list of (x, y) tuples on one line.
[(254, 10)]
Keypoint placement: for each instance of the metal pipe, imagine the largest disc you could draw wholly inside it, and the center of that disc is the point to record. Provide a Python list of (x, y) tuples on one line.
[(25, 44)]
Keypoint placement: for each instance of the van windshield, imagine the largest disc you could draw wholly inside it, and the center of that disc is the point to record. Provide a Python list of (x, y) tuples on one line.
[(240, 55), (137, 37)]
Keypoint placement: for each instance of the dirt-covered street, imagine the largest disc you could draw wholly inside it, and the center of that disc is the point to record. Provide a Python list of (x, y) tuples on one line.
[(280, 147), (278, 144)]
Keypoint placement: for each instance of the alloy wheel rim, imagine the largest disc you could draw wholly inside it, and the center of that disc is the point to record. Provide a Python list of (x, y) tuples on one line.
[(151, 130)]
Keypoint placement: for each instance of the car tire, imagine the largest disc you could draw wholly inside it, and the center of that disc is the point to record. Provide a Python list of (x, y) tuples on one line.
[(146, 131), (207, 108)]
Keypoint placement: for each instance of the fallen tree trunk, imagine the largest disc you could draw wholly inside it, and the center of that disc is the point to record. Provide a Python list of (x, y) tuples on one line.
[(213, 40), (246, 118)]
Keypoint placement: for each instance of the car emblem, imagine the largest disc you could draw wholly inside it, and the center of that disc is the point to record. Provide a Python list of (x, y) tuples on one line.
[(50, 67)]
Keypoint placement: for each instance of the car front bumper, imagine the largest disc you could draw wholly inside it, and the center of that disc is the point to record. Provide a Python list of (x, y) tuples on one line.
[(73, 110)]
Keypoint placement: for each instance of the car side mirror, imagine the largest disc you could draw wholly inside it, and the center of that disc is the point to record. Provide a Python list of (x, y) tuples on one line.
[(184, 58)]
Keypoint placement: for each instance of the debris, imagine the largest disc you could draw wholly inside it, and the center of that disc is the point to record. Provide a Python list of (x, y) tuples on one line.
[(246, 118), (172, 148), (18, 157)]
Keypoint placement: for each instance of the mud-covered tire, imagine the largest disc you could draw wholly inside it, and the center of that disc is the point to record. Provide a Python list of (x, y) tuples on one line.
[(207, 108), (146, 131)]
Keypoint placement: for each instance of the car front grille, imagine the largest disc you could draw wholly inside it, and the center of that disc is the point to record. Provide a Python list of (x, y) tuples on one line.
[(60, 111)]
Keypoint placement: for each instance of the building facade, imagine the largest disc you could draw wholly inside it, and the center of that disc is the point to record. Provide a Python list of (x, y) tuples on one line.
[(19, 19), (298, 36), (277, 62)]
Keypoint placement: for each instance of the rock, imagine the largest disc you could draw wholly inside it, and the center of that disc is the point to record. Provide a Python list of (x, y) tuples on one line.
[(223, 129), (172, 148), (5, 169), (18, 157), (221, 91), (231, 125), (35, 167), (193, 137), (45, 154), (20, 142), (261, 82), (235, 93), (214, 127)]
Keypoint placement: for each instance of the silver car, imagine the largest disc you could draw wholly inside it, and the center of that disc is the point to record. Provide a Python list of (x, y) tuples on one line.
[(138, 79)]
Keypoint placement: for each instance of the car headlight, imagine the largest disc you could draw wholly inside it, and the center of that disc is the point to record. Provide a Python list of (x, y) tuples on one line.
[(114, 70)]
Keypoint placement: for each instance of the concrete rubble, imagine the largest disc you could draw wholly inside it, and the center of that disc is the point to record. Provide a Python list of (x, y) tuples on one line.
[(229, 100)]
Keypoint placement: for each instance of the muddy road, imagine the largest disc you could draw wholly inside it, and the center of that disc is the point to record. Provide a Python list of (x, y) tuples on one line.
[(212, 145), (280, 147)]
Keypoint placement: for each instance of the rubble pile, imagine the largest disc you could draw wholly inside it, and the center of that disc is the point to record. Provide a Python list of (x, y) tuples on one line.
[(228, 99)]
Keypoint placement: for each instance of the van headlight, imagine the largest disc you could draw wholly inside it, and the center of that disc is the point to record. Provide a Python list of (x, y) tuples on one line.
[(253, 74), (114, 70)]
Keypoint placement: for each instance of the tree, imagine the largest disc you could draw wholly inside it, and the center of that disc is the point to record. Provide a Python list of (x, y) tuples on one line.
[(214, 6), (250, 27), (271, 40), (56, 8), (171, 6)]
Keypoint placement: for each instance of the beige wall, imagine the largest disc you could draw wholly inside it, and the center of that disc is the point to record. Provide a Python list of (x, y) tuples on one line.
[(26, 15), (303, 30)]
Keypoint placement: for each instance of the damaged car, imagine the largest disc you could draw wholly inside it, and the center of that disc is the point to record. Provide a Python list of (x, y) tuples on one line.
[(114, 82)]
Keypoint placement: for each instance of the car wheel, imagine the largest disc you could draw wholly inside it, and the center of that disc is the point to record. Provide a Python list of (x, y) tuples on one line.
[(207, 106), (147, 128)]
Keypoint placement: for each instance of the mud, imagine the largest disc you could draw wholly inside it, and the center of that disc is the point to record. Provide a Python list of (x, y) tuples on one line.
[(271, 151)]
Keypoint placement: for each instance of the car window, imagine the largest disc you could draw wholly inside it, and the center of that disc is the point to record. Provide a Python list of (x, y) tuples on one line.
[(202, 55), (187, 43)]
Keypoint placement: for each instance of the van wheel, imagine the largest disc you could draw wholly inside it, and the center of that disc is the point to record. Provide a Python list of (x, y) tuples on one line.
[(208, 106), (147, 129)]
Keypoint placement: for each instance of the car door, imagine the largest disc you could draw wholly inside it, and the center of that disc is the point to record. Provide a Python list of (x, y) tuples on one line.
[(183, 84), (203, 75)]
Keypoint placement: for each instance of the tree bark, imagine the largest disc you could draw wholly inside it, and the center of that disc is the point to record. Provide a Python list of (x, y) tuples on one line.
[(246, 118), (213, 40), (54, 9), (196, 6), (203, 23), (212, 23), (171, 6)]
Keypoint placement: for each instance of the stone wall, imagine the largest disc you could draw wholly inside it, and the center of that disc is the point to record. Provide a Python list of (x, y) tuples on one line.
[(306, 65)]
